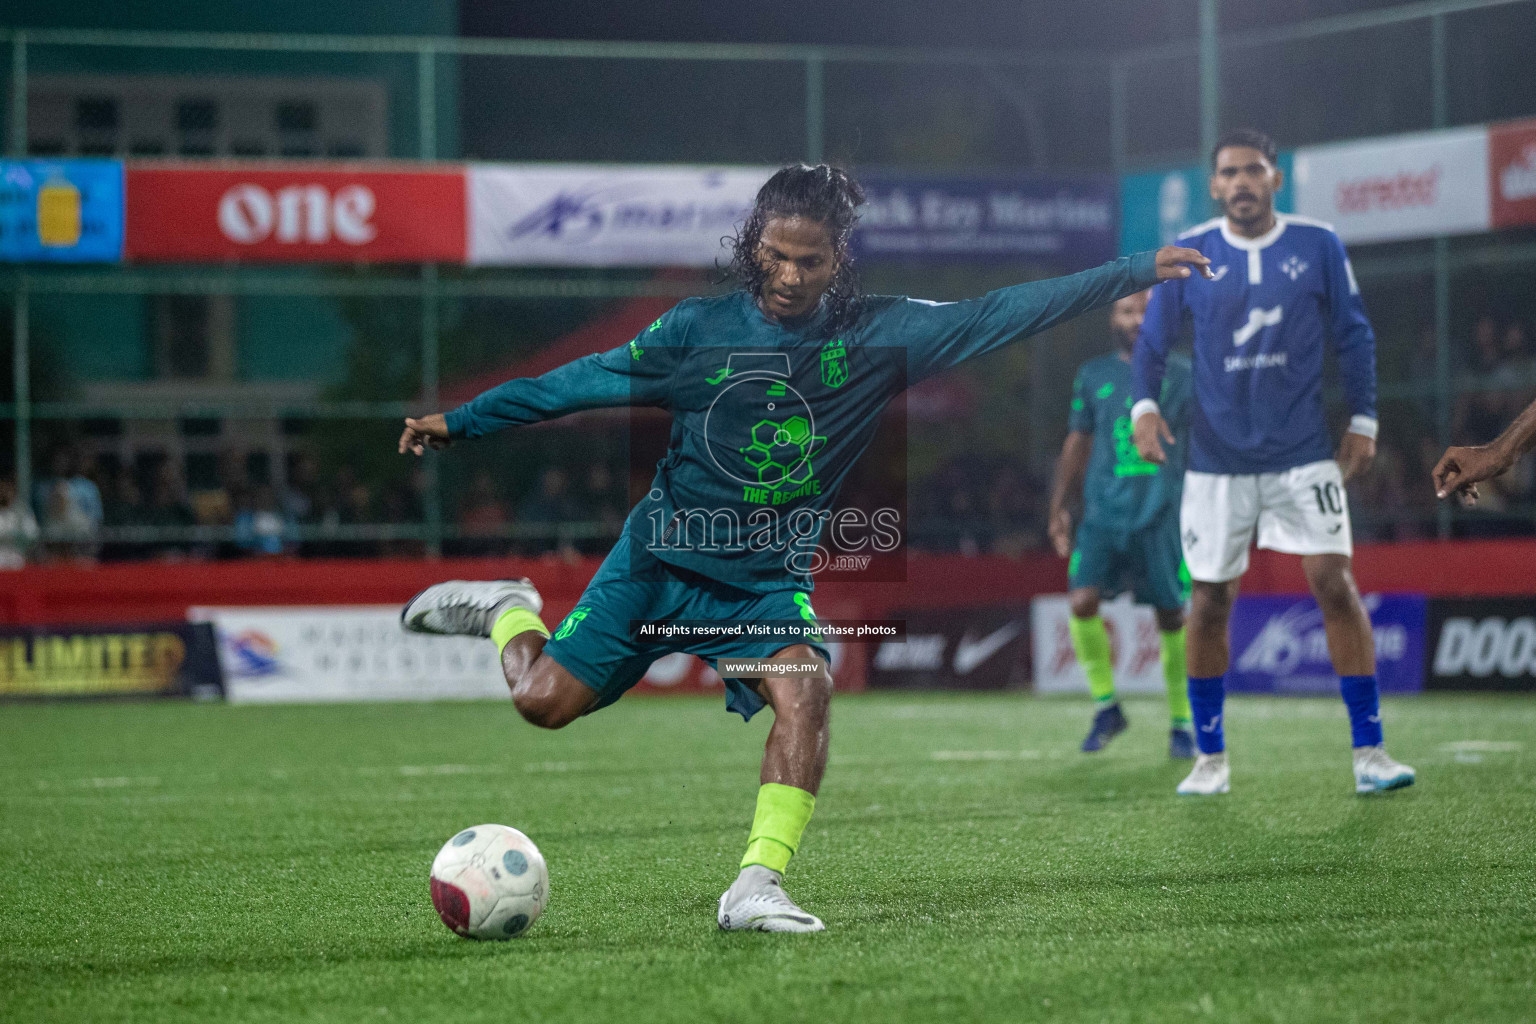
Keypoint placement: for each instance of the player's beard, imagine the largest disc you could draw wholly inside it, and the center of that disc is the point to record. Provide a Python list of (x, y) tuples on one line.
[(1264, 207)]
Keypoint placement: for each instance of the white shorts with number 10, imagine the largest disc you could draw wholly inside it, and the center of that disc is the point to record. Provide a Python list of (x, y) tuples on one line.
[(1302, 511)]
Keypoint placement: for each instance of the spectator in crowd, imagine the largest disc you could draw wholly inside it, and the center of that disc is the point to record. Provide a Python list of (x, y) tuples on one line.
[(299, 497), (168, 510), (69, 505), (125, 510), (261, 525), (482, 518), (401, 503), (18, 527)]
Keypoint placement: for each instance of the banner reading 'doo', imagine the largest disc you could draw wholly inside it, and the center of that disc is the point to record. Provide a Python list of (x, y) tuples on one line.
[(1407, 186), (592, 215)]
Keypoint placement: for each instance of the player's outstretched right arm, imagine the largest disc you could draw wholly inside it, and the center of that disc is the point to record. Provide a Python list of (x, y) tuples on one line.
[(1460, 469), (639, 373), (942, 334)]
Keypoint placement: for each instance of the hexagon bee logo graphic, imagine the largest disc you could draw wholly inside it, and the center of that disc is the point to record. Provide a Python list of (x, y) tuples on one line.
[(759, 429)]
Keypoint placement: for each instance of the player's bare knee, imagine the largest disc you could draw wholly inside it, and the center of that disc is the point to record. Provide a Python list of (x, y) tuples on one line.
[(543, 709), (1170, 619), (1085, 603), (1334, 590)]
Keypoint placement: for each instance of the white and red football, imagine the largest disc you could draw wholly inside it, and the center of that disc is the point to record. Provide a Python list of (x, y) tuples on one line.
[(489, 882)]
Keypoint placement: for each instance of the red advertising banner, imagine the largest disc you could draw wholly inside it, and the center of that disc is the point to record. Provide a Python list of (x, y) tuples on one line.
[(1512, 173), (294, 213)]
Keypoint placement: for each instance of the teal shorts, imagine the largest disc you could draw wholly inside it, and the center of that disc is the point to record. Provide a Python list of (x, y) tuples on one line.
[(1149, 563), (595, 643)]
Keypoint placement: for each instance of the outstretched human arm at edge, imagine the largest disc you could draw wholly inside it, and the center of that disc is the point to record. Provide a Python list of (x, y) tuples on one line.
[(639, 373), (1460, 468)]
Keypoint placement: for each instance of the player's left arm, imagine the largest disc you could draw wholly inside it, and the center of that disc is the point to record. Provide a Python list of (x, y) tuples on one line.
[(946, 333), (1355, 343), (1072, 467)]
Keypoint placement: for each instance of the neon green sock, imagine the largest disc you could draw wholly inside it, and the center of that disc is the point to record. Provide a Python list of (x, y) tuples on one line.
[(513, 622), (1176, 679), (782, 813), (1090, 639)]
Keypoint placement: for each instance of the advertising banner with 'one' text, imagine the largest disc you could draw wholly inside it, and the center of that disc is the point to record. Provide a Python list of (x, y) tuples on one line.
[(295, 213)]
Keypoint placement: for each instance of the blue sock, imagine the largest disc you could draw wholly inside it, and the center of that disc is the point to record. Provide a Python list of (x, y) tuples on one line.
[(1206, 695), (1359, 693)]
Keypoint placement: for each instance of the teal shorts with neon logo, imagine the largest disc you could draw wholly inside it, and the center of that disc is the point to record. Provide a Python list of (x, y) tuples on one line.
[(595, 643), (1149, 563)]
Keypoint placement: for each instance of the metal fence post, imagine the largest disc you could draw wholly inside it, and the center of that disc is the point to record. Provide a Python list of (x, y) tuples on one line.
[(815, 108), (1117, 120), (19, 94), (433, 492), (1443, 510), (1443, 397), (426, 103), (22, 391), (1210, 79)]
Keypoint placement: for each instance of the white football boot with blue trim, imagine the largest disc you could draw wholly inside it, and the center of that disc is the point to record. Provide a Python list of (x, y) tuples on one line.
[(467, 607), (1375, 772), (756, 902), (1209, 777)]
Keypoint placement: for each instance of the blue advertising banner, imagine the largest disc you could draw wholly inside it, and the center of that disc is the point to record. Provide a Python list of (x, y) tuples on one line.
[(1278, 645), (1156, 205), (61, 211), (1068, 221)]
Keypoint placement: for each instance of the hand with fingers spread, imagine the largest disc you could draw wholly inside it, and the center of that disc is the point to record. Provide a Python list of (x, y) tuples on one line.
[(427, 432), (1150, 432), (1176, 261), (1460, 469)]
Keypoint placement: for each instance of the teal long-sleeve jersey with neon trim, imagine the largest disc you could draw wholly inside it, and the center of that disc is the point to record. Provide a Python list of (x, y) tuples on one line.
[(769, 417)]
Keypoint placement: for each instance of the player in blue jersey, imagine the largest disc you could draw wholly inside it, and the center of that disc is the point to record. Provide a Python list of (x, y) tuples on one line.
[(775, 390), (1128, 537), (1260, 456)]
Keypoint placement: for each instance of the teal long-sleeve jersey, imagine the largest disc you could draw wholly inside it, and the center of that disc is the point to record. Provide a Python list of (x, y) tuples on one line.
[(770, 417)]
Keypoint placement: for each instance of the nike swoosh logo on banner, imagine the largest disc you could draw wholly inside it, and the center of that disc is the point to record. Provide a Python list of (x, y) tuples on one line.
[(971, 653)]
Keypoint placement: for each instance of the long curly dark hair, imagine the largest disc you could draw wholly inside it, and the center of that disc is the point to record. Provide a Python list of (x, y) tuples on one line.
[(825, 194)]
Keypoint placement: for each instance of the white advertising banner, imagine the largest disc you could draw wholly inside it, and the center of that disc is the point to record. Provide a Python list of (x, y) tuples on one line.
[(592, 215), (1407, 186), (345, 653), (1133, 640)]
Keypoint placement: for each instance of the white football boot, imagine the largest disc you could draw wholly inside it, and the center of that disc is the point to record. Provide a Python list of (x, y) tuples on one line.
[(1375, 772), (467, 607), (756, 902), (1209, 777)]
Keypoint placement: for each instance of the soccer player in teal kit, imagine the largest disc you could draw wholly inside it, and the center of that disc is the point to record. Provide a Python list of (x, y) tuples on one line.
[(775, 391), (1128, 536)]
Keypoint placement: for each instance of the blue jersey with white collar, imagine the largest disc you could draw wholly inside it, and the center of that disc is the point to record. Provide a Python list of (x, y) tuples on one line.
[(1260, 332)]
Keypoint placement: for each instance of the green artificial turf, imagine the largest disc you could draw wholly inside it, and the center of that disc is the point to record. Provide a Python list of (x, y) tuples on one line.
[(177, 862)]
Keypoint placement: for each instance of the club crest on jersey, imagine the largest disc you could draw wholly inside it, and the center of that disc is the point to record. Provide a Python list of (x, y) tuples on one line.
[(1294, 267), (834, 363)]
